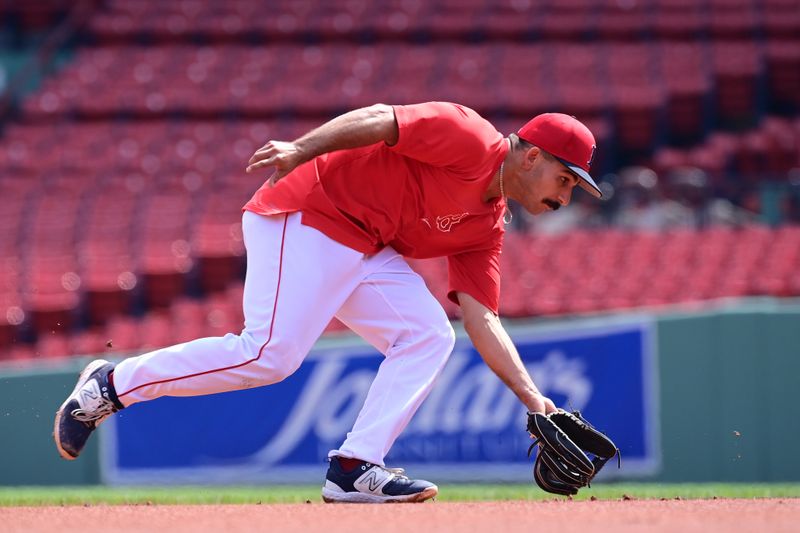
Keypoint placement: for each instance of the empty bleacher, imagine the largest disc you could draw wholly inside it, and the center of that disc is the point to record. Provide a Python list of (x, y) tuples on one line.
[(122, 176)]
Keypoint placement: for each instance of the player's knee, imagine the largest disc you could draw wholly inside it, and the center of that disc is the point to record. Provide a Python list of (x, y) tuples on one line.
[(274, 359), (448, 338), (279, 367), (247, 343), (441, 339)]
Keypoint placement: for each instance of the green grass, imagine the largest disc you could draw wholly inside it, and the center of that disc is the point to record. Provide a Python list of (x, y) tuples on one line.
[(35, 496)]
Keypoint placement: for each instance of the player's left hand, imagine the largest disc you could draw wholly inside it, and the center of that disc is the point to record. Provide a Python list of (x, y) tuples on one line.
[(571, 451), (284, 156)]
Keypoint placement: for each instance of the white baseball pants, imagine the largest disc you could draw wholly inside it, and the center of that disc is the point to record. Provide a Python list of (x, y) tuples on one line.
[(297, 280)]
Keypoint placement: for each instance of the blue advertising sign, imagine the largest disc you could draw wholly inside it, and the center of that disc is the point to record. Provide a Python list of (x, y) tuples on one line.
[(471, 427)]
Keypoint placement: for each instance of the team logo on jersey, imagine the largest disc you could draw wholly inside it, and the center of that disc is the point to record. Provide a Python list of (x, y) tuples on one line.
[(446, 222)]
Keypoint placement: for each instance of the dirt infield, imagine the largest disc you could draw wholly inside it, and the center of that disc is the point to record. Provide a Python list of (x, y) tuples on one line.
[(654, 516)]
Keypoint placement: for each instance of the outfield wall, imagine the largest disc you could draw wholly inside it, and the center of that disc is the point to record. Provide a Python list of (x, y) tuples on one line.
[(704, 396), (29, 398), (729, 396)]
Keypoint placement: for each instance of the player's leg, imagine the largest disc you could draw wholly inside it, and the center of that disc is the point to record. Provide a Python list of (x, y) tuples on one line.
[(296, 279), (394, 311)]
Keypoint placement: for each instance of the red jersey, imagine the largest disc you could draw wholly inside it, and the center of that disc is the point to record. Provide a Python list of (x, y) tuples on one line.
[(421, 196)]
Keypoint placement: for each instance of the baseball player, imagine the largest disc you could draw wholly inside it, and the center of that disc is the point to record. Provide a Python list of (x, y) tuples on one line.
[(326, 235)]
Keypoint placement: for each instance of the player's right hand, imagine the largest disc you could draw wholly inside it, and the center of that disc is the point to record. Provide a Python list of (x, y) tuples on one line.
[(284, 156), (541, 404)]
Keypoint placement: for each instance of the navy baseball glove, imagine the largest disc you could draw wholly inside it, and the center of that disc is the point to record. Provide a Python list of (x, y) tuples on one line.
[(566, 441)]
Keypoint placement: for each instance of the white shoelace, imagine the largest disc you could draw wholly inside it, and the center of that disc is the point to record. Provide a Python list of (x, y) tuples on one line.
[(93, 406), (104, 409), (399, 472)]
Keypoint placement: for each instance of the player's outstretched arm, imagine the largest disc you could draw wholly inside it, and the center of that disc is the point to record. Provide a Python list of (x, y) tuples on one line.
[(360, 127), (500, 354)]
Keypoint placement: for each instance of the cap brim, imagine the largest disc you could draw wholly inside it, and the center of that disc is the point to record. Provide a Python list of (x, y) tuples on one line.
[(586, 182)]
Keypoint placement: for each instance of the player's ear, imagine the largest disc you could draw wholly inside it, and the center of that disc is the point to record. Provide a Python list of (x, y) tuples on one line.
[(530, 157)]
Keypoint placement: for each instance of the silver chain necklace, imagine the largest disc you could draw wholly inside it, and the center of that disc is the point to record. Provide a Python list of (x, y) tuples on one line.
[(508, 216)]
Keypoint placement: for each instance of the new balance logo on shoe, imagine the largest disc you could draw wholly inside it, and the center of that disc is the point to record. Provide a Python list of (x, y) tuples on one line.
[(374, 478), (90, 393), (370, 483)]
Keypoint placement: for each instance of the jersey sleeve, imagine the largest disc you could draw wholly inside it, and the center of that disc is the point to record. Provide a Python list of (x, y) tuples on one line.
[(445, 135), (477, 274)]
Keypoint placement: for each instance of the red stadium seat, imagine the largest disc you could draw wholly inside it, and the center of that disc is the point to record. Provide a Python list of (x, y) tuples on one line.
[(12, 316), (686, 77), (88, 342), (156, 114), (783, 72), (564, 25), (123, 334), (781, 19), (682, 20), (623, 22), (733, 19), (737, 67), (53, 345), (109, 284), (637, 116), (156, 330)]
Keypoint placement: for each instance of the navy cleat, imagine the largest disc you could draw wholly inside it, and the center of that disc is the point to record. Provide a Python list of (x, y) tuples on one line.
[(92, 400), (371, 483)]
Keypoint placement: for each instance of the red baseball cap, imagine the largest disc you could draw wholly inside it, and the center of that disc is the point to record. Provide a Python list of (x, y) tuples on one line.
[(568, 140)]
